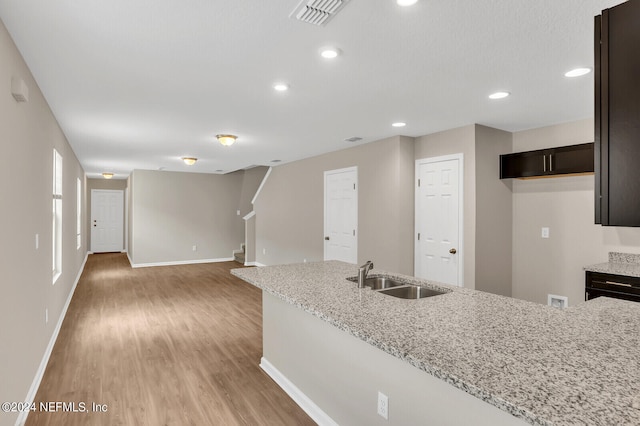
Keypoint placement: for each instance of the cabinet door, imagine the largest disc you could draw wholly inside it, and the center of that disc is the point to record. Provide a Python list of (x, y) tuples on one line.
[(618, 118), (571, 159), (548, 162), (523, 164)]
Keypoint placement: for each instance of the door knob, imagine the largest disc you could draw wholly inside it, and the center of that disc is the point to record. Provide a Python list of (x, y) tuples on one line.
[(326, 238), (453, 251)]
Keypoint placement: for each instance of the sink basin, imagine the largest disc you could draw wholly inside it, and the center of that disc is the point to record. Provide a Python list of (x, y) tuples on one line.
[(377, 283), (412, 292), (397, 288)]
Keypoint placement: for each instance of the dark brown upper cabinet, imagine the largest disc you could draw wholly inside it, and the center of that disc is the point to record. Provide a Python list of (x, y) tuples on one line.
[(617, 115), (548, 162)]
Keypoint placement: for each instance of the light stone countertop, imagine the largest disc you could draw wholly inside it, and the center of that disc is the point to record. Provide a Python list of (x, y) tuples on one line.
[(576, 366), (619, 264)]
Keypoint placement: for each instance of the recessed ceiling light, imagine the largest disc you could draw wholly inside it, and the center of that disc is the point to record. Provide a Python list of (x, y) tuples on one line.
[(499, 95), (399, 124), (281, 87), (330, 52), (406, 2), (577, 72)]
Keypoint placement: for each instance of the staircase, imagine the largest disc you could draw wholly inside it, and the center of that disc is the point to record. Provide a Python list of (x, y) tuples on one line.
[(239, 256)]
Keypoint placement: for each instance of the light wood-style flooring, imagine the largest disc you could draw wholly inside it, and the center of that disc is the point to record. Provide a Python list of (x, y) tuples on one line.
[(172, 345)]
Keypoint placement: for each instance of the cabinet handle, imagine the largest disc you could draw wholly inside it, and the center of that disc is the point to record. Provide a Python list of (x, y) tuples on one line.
[(544, 162), (620, 284), (550, 162)]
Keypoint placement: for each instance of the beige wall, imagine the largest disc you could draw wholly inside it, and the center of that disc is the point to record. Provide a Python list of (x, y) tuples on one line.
[(565, 205), (174, 211), (289, 210), (28, 134), (493, 213), (115, 184)]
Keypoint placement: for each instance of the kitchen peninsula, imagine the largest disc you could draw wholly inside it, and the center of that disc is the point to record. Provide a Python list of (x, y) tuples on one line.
[(465, 357)]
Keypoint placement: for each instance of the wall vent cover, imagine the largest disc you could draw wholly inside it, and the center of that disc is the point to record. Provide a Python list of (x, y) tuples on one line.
[(317, 12)]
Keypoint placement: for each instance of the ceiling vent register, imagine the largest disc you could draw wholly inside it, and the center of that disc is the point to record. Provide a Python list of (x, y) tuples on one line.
[(317, 12)]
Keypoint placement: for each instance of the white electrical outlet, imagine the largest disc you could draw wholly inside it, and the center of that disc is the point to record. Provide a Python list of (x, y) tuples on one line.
[(545, 232), (37, 241), (238, 212), (557, 301), (264, 251), (46, 316), (194, 248), (383, 405)]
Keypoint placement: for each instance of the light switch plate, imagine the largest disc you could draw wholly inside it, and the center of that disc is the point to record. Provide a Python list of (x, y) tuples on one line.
[(545, 232)]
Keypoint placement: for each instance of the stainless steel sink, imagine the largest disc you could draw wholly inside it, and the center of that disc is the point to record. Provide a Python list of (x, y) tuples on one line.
[(397, 288), (412, 292), (378, 283)]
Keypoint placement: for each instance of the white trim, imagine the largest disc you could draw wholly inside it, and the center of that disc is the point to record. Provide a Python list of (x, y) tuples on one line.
[(31, 394), (460, 158), (250, 215), (180, 262), (264, 180), (258, 264), (130, 261), (307, 405), (324, 201)]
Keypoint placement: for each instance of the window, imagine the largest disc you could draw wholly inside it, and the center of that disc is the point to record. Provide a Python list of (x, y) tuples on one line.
[(57, 215), (78, 214)]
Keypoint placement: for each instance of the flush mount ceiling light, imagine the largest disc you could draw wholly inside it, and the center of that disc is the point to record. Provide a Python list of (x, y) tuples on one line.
[(226, 140), (189, 161), (330, 52), (406, 2), (577, 72), (499, 95), (107, 175), (281, 87), (399, 124)]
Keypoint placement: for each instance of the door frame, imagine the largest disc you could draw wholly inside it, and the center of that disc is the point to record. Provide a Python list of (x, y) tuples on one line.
[(124, 216), (324, 201), (429, 160)]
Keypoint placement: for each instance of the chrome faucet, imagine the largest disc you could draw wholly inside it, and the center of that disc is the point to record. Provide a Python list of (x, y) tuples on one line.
[(362, 273)]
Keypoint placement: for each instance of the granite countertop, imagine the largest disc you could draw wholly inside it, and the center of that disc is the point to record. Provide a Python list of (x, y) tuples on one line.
[(572, 366), (619, 264)]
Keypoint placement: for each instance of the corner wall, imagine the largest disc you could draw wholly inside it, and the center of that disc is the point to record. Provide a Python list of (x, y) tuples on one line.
[(494, 212), (29, 132), (566, 206), (173, 211), (290, 208)]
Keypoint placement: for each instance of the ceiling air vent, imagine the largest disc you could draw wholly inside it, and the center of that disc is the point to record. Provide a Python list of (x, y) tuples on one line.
[(317, 12), (353, 139)]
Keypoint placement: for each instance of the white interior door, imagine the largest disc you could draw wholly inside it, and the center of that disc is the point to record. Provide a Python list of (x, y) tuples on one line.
[(438, 251), (107, 220), (341, 215)]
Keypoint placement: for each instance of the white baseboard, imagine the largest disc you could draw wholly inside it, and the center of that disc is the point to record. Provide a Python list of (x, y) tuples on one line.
[(307, 405), (31, 394), (253, 264), (179, 262)]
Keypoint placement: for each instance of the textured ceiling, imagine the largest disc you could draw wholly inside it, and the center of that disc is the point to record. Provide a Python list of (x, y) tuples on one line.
[(139, 84)]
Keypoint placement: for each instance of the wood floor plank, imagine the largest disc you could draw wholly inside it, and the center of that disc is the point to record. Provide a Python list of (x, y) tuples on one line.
[(171, 345)]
